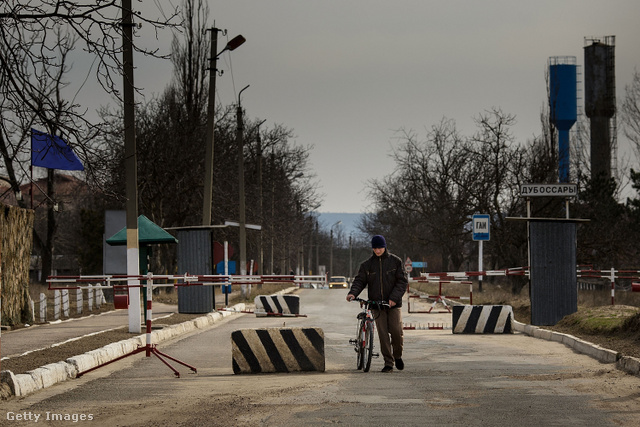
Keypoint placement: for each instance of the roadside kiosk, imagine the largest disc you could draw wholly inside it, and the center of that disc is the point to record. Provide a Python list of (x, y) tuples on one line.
[(149, 233)]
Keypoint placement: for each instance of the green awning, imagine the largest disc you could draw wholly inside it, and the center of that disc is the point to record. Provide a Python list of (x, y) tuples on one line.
[(149, 233)]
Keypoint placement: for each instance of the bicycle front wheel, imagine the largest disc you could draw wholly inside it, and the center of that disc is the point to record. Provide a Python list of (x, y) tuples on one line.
[(368, 346), (360, 344)]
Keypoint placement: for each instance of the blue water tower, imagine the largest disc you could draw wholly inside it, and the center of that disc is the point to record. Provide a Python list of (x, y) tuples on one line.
[(563, 106)]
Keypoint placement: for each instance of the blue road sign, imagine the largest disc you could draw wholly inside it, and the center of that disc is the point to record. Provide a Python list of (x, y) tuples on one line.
[(481, 227)]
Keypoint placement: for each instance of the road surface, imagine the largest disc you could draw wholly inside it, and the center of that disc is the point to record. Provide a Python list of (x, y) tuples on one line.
[(449, 379)]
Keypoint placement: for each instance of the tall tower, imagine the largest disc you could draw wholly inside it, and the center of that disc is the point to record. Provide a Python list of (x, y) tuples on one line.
[(600, 103), (563, 107)]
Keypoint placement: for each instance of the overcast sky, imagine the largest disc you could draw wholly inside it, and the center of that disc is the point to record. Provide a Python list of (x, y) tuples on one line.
[(346, 75)]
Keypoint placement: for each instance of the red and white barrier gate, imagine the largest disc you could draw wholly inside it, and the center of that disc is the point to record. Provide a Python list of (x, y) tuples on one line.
[(442, 299), (612, 274), (463, 277)]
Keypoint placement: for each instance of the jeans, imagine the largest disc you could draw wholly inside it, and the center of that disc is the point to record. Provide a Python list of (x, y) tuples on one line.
[(390, 333)]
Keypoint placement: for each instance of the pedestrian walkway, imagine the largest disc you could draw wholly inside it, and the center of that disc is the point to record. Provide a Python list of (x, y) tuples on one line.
[(20, 341)]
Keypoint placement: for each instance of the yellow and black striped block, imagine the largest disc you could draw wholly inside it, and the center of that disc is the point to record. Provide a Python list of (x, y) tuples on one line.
[(277, 350), (276, 304), (482, 319)]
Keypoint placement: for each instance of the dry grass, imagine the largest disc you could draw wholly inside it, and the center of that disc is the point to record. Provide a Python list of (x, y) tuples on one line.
[(499, 292)]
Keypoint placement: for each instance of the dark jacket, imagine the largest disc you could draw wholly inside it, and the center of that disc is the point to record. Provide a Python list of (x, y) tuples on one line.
[(385, 277)]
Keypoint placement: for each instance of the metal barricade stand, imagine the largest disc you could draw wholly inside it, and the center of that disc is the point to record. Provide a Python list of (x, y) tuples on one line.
[(149, 348)]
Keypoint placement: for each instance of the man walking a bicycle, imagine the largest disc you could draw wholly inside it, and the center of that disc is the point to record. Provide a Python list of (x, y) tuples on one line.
[(384, 276)]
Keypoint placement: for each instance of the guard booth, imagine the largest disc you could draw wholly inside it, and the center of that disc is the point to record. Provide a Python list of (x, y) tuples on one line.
[(195, 256), (149, 233), (553, 282), (552, 257)]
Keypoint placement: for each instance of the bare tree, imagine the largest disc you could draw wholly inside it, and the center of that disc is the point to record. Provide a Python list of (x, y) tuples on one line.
[(40, 104), (426, 205), (630, 112), (427, 198), (190, 57), (501, 170), (97, 24), (35, 41)]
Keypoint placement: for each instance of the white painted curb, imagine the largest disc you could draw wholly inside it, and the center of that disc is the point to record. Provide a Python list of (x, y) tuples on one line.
[(628, 364), (53, 373)]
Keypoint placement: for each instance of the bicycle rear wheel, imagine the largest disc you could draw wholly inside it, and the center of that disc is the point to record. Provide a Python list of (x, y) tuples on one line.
[(368, 346), (360, 344)]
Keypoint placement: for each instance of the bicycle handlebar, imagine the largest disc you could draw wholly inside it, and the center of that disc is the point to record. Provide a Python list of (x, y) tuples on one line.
[(370, 302)]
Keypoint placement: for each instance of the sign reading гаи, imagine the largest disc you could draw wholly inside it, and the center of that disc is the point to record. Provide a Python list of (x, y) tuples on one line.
[(480, 227)]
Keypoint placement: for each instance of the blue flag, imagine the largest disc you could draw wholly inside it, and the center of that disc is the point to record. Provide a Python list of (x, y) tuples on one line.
[(50, 151)]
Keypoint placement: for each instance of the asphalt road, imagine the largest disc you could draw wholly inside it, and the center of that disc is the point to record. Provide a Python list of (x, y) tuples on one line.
[(449, 379)]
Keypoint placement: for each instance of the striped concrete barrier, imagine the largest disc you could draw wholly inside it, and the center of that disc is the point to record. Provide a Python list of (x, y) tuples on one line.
[(277, 350), (276, 305), (482, 319)]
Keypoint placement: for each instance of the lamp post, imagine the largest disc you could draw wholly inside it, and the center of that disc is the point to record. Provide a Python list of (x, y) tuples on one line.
[(350, 246), (245, 290), (208, 160), (260, 213), (273, 192), (317, 248), (331, 248), (243, 230)]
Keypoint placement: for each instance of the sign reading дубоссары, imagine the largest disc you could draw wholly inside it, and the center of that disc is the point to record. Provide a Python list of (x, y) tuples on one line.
[(559, 190)]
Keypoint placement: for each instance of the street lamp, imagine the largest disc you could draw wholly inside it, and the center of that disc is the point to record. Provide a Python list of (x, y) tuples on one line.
[(331, 248), (260, 211), (208, 160), (241, 204), (317, 248), (350, 245)]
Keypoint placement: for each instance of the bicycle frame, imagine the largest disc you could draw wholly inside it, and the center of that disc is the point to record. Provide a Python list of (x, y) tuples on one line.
[(363, 342)]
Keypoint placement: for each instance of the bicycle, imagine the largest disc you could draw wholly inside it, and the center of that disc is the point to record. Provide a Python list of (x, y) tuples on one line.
[(363, 343)]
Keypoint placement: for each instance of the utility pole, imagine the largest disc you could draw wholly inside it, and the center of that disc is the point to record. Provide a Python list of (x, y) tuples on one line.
[(260, 213), (242, 220), (133, 258), (309, 263), (331, 248), (273, 191), (208, 159), (317, 248), (350, 263)]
